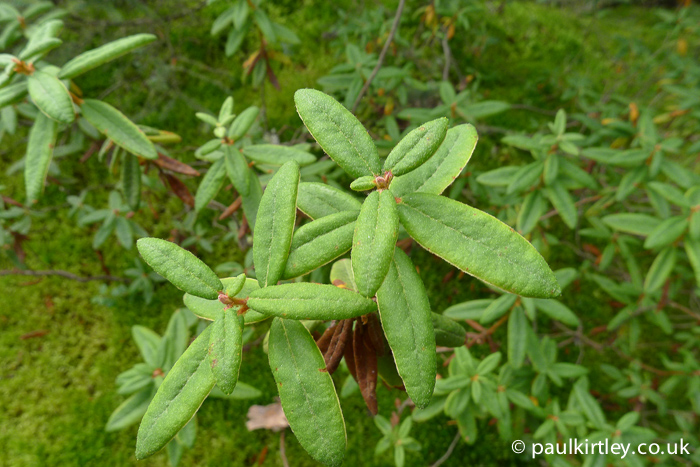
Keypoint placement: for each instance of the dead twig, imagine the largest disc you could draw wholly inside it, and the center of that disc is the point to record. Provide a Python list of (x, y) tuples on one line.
[(382, 55)]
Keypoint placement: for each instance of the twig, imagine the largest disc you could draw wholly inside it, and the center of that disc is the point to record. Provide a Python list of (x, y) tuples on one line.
[(448, 453), (283, 455), (382, 55), (446, 52), (66, 274)]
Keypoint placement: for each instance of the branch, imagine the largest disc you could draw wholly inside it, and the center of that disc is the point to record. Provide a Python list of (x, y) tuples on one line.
[(66, 274), (448, 453), (382, 54)]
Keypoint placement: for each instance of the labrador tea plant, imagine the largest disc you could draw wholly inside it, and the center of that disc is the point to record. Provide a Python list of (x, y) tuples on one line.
[(382, 298)]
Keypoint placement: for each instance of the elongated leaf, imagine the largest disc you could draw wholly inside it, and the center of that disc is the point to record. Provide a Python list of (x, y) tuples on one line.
[(338, 132), (501, 176), (274, 154), (51, 96), (42, 139), (320, 242), (638, 224), (660, 270), (12, 93), (147, 341), (363, 183), (561, 199), (103, 54), (183, 269), (498, 308), (237, 169), (251, 201), (404, 309), (226, 350), (242, 123), (306, 391), (531, 210), (317, 200), (178, 398), (131, 181), (115, 126), (416, 147), (478, 244), (448, 333), (376, 231), (438, 172), (304, 300), (130, 411), (342, 276), (275, 225), (525, 177), (557, 310), (210, 185), (518, 328), (213, 309), (666, 232), (692, 249)]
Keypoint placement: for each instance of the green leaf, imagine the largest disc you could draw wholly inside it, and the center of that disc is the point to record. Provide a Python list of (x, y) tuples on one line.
[(638, 224), (12, 93), (526, 177), (518, 328), (115, 126), (502, 176), (373, 242), (341, 275), (183, 269), (404, 310), (320, 242), (213, 309), (317, 200), (561, 199), (666, 232), (42, 139), (589, 405), (242, 123), (557, 310), (237, 169), (210, 185), (104, 231), (472, 309), (338, 133), (226, 349), (671, 193), (488, 364), (251, 201), (147, 341), (275, 224), (306, 391), (178, 398), (51, 96), (498, 308), (103, 54), (235, 40), (434, 409), (530, 212), (234, 287), (692, 249), (478, 244), (131, 180), (438, 172), (242, 391), (130, 411), (265, 25), (660, 270), (416, 147), (364, 183), (448, 333), (304, 300), (124, 233), (275, 154)]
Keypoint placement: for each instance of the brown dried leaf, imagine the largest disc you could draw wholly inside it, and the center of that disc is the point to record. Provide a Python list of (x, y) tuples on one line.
[(231, 209), (325, 339), (365, 367), (180, 189), (168, 163), (337, 345), (267, 417)]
